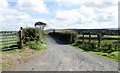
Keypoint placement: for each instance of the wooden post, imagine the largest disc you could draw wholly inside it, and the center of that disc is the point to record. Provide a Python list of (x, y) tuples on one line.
[(70, 37), (99, 39), (109, 46), (21, 36), (53, 30), (83, 37), (89, 37)]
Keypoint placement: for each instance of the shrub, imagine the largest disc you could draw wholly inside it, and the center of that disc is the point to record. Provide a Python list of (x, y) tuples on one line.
[(98, 50), (34, 38), (36, 45), (65, 36), (32, 34)]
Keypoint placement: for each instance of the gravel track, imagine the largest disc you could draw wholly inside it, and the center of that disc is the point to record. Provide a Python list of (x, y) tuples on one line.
[(62, 57)]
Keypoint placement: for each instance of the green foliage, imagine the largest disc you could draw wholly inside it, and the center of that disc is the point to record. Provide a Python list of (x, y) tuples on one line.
[(114, 55), (85, 46), (107, 47), (34, 38), (65, 36), (40, 24), (107, 50), (36, 45), (93, 47), (33, 34)]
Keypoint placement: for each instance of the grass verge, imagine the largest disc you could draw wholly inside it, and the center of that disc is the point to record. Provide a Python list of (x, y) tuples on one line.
[(114, 55), (36, 45)]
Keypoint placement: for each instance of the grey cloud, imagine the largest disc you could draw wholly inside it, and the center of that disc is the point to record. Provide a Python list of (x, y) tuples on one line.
[(102, 5), (103, 19)]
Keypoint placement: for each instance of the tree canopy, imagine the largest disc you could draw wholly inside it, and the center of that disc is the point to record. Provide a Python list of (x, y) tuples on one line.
[(40, 24)]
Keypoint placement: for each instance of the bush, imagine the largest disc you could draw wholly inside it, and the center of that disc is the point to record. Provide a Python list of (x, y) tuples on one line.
[(65, 36), (85, 46), (97, 50), (33, 34), (89, 46), (34, 38)]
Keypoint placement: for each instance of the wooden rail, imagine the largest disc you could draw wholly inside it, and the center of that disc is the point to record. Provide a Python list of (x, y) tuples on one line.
[(103, 38), (99, 37)]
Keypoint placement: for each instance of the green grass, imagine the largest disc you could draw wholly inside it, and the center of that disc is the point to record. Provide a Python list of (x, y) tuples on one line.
[(115, 36), (99, 51), (108, 41), (113, 55), (103, 50), (36, 45)]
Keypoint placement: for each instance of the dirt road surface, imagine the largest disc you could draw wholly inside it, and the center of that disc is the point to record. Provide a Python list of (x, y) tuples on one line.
[(62, 57)]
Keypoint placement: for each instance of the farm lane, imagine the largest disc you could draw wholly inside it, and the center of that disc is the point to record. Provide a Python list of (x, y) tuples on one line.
[(61, 57)]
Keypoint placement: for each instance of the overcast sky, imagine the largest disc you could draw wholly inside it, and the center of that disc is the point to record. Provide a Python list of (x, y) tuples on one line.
[(59, 14)]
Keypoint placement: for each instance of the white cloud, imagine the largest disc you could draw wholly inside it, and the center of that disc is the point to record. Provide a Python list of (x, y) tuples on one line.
[(67, 19), (86, 17), (91, 14), (12, 19), (3, 4), (32, 6)]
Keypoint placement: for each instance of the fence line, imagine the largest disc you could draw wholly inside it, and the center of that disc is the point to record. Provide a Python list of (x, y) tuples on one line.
[(96, 38), (99, 37)]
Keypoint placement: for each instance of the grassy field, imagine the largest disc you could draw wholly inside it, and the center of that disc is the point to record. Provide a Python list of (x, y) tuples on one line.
[(108, 48)]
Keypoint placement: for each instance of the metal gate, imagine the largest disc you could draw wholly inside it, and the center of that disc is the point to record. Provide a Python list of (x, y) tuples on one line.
[(9, 40)]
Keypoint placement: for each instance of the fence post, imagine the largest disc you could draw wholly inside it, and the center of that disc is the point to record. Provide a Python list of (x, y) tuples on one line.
[(89, 37), (99, 39), (71, 38), (53, 30), (21, 36), (83, 37)]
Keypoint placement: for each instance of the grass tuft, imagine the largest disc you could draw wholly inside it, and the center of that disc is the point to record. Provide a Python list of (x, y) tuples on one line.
[(36, 45)]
